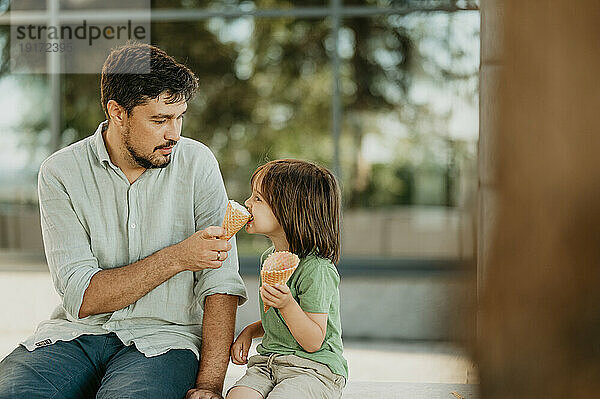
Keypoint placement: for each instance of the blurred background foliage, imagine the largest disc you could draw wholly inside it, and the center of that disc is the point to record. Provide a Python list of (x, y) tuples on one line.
[(408, 86)]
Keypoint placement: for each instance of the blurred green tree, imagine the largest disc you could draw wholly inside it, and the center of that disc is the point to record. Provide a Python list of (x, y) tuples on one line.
[(266, 88)]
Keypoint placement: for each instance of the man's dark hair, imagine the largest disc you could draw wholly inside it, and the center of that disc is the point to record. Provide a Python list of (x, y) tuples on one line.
[(135, 73)]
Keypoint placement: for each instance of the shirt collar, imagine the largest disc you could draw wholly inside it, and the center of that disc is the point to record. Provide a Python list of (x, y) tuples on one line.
[(100, 145)]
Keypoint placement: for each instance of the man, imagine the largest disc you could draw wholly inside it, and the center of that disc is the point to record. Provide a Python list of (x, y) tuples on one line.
[(129, 220)]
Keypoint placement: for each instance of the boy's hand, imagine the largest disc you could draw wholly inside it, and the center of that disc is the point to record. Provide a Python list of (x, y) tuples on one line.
[(240, 347), (277, 296)]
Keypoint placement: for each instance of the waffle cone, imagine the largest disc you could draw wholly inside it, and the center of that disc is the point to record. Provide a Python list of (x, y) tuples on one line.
[(234, 220), (278, 268)]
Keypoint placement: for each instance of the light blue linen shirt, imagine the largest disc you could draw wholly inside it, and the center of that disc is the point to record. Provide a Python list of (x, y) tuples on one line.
[(93, 219)]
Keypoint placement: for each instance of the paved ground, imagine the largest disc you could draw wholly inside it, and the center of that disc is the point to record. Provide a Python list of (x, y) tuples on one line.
[(409, 370)]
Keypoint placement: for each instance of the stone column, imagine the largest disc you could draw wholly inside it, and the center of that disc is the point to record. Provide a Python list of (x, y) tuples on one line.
[(539, 324)]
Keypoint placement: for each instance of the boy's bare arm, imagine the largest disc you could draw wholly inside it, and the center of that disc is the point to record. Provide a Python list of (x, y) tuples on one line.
[(114, 289), (256, 329), (307, 328)]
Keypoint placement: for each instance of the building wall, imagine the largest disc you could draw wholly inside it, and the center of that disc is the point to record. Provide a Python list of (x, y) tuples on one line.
[(407, 232), (409, 307)]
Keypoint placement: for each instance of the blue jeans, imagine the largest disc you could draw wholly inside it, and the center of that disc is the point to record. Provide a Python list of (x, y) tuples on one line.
[(96, 366)]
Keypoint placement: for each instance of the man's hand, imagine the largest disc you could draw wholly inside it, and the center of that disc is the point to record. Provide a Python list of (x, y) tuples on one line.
[(199, 393), (203, 249), (277, 296)]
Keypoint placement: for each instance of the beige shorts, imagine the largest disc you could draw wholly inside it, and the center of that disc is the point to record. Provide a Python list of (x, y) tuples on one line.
[(290, 377)]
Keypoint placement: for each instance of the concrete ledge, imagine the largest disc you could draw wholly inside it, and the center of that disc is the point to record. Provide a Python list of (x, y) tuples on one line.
[(402, 390), (399, 390)]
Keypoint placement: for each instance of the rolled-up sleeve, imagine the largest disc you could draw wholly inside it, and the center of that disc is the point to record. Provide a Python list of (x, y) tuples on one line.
[(66, 242), (210, 204), (224, 280)]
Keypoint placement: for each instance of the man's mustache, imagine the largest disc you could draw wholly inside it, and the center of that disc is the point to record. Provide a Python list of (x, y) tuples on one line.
[(170, 143)]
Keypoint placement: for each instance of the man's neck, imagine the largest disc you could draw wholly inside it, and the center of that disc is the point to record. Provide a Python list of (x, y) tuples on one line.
[(118, 154)]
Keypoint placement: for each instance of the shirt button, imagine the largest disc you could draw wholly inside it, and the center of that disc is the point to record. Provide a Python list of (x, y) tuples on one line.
[(133, 225)]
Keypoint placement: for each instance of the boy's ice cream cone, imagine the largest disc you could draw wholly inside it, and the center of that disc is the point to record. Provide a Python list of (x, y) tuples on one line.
[(278, 268), (236, 216)]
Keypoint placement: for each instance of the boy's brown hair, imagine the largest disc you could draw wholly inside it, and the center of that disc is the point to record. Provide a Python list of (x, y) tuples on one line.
[(305, 198)]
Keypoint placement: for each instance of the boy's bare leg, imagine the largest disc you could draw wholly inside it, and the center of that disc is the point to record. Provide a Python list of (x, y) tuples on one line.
[(243, 393)]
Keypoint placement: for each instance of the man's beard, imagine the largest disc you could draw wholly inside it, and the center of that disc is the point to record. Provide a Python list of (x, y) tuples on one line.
[(147, 162)]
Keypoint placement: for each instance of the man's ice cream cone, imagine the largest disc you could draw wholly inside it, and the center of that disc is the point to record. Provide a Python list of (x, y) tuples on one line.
[(278, 268), (236, 216)]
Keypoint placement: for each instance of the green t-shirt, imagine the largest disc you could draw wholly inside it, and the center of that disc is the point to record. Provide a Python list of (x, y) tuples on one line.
[(314, 285)]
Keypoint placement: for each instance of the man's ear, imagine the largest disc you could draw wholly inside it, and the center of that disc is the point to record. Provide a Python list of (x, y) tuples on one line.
[(116, 113)]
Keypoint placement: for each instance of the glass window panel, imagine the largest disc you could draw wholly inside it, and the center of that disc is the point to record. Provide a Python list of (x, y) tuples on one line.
[(243, 5), (410, 127), (24, 5), (265, 92), (26, 137), (409, 92), (104, 5), (414, 4)]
